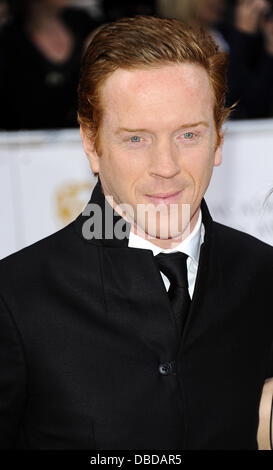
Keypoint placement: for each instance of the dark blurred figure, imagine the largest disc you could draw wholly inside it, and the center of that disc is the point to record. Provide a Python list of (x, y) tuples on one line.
[(120, 8), (251, 59), (40, 52), (206, 13), (3, 12), (243, 29)]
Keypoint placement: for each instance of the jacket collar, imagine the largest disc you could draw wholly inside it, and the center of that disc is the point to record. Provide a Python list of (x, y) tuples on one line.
[(110, 219)]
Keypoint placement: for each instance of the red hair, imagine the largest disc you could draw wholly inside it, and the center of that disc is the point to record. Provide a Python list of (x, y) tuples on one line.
[(146, 42)]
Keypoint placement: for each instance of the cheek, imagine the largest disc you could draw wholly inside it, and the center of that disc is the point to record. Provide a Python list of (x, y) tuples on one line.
[(199, 165), (128, 164), (110, 162), (122, 172)]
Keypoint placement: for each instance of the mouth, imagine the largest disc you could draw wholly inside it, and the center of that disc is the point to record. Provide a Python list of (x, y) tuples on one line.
[(162, 198)]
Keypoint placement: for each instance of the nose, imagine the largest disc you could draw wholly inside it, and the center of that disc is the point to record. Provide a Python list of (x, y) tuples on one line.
[(164, 161)]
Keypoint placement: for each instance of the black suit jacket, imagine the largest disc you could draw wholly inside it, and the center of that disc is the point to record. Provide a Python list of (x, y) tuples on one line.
[(86, 324)]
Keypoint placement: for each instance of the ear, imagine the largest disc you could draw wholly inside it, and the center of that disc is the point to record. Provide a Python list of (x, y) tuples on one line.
[(90, 151), (218, 151)]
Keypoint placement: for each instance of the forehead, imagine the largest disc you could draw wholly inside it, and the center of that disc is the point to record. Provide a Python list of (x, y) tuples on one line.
[(166, 93)]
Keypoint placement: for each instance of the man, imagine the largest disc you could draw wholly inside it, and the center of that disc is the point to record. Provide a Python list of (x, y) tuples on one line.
[(105, 345)]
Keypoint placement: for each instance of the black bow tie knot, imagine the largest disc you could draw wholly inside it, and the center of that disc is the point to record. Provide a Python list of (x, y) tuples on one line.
[(174, 266)]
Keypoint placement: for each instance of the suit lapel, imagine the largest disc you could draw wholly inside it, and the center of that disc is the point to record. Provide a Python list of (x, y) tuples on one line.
[(135, 297), (207, 296)]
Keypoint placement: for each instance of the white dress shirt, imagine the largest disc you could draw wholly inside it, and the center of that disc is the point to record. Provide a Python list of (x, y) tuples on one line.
[(190, 246)]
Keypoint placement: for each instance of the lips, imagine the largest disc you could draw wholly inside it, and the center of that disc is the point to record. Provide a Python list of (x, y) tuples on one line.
[(164, 198)]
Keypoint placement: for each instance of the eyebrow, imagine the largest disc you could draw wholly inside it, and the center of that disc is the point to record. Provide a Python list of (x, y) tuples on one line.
[(184, 126)]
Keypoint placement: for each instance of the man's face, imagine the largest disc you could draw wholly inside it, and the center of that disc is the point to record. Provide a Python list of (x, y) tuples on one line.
[(157, 141)]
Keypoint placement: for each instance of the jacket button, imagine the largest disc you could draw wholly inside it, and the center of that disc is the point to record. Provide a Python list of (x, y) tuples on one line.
[(165, 368)]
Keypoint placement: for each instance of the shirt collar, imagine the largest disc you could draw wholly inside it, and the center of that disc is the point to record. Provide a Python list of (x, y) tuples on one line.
[(190, 245)]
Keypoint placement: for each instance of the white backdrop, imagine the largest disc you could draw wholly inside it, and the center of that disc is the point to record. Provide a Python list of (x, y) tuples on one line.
[(45, 180)]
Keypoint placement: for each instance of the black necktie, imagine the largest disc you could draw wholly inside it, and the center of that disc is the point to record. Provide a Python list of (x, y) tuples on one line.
[(174, 266)]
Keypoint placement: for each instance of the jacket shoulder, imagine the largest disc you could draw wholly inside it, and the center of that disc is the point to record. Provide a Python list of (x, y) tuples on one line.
[(243, 246), (39, 247), (34, 261), (243, 239)]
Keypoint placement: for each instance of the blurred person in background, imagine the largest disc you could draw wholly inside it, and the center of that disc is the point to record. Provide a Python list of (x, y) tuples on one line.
[(3, 12), (40, 52), (243, 29), (251, 59), (205, 13), (93, 7)]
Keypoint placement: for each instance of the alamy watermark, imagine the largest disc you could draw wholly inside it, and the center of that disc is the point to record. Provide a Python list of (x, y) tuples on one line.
[(163, 221)]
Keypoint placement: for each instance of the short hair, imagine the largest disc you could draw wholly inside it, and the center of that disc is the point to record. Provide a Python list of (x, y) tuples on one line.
[(146, 42)]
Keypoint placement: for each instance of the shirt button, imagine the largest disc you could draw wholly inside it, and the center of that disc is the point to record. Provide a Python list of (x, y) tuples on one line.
[(165, 368)]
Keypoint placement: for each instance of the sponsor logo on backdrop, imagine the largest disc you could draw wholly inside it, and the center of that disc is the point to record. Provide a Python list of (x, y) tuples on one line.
[(70, 199)]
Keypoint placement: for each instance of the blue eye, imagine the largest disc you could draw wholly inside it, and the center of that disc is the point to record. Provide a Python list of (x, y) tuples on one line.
[(189, 135), (135, 138)]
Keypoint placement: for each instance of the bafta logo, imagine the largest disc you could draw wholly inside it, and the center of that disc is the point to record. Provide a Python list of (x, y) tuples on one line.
[(70, 199)]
